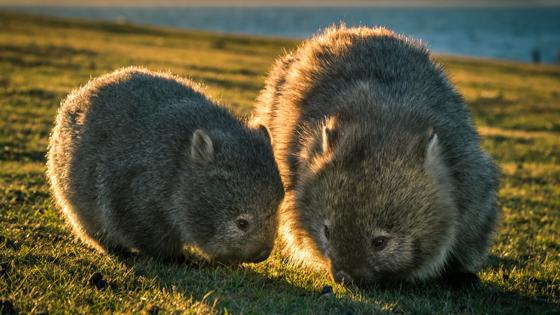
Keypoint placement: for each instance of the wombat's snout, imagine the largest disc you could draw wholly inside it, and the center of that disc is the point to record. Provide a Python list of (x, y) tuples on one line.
[(360, 277), (255, 257), (342, 277), (262, 255), (353, 276)]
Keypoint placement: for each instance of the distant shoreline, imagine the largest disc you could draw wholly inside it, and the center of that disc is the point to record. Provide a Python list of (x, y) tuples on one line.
[(508, 33)]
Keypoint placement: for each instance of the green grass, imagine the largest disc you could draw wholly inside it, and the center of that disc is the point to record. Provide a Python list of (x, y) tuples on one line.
[(516, 106)]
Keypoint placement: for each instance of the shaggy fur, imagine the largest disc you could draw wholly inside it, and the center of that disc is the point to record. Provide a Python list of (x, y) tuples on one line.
[(145, 161), (383, 170)]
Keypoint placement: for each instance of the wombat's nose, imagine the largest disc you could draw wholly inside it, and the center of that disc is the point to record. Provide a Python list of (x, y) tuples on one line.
[(342, 277), (262, 255)]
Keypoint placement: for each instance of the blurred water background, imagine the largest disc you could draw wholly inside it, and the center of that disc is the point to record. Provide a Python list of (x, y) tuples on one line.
[(514, 33)]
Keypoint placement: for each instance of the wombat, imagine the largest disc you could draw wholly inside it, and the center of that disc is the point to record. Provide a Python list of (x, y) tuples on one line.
[(384, 176), (143, 161)]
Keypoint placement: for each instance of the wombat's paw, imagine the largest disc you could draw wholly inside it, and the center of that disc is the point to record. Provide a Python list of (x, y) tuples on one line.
[(462, 280), (326, 292), (122, 252), (192, 259)]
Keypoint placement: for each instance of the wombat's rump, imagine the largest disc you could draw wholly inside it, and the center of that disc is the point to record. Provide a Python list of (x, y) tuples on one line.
[(383, 170), (145, 161)]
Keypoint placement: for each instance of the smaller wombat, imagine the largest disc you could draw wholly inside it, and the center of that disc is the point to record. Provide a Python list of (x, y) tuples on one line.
[(145, 161)]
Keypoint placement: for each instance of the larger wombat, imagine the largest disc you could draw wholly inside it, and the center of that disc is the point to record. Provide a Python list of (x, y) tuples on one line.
[(383, 170), (145, 161)]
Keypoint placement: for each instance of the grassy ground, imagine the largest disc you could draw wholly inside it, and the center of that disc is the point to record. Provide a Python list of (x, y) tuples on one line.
[(42, 267)]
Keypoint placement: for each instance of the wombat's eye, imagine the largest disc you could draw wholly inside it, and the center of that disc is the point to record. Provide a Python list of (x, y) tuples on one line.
[(242, 224), (327, 232), (379, 242)]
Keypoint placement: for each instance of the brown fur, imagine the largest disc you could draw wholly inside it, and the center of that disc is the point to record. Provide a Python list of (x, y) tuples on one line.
[(145, 161), (374, 145)]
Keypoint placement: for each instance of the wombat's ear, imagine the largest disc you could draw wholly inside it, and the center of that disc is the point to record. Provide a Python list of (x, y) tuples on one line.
[(434, 163), (432, 149), (202, 148), (329, 136), (265, 132), (433, 146)]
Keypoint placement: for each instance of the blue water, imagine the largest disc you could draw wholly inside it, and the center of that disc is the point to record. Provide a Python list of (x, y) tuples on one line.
[(502, 33)]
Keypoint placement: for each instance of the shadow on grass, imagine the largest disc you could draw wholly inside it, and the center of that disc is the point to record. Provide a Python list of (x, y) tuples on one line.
[(488, 297), (241, 290)]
